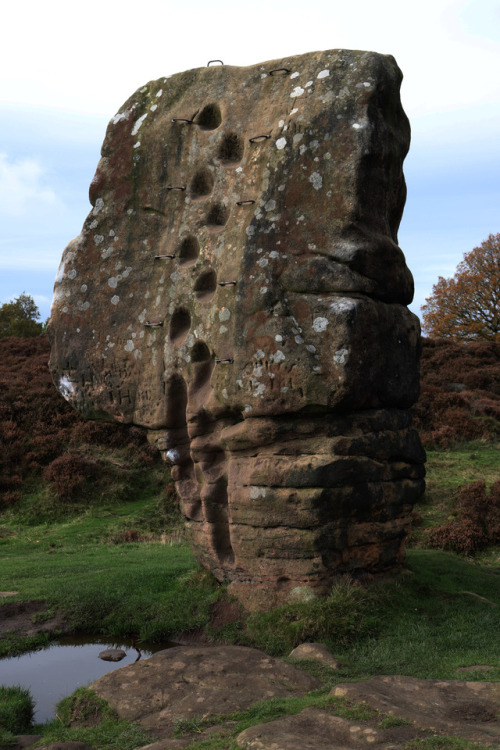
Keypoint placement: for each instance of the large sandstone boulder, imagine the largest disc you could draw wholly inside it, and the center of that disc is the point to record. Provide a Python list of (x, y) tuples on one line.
[(238, 290)]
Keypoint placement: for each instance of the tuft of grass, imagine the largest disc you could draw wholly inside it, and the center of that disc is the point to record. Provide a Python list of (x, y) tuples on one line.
[(390, 721), (12, 644), (444, 743), (84, 708), (85, 717), (344, 616), (16, 709)]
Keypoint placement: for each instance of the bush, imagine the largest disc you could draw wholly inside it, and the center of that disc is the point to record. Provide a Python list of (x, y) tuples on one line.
[(16, 709), (69, 473), (477, 524)]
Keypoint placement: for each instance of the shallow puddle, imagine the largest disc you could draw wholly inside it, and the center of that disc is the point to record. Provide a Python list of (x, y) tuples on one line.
[(55, 672)]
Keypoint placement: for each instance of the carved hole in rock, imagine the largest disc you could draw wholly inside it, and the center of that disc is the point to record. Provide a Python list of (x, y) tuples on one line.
[(203, 365), (200, 352), (215, 506), (205, 286), (231, 149), (188, 251), (217, 216), (180, 324), (210, 117), (202, 184), (176, 395)]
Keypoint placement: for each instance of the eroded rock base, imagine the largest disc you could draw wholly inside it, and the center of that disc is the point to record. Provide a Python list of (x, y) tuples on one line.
[(290, 502)]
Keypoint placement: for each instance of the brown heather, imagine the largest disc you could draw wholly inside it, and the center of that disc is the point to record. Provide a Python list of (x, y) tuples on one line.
[(459, 393), (41, 434)]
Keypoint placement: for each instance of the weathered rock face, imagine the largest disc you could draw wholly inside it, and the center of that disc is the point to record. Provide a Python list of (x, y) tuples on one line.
[(238, 289)]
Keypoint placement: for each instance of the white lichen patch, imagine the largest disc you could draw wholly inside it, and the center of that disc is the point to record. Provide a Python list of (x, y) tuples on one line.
[(270, 205), (263, 262), (297, 138), (295, 75), (294, 111), (115, 299), (263, 289), (259, 354), (136, 145), (224, 314), (66, 388), (316, 180), (274, 254), (99, 205), (250, 231), (299, 340), (308, 84), (98, 238), (71, 274), (259, 391), (298, 91), (129, 346), (342, 305), (311, 348), (159, 93), (323, 74), (83, 288), (256, 492), (82, 306), (280, 144), (320, 324), (278, 338), (340, 356), (138, 124), (94, 224), (121, 116), (277, 357), (113, 282), (106, 252), (154, 108)]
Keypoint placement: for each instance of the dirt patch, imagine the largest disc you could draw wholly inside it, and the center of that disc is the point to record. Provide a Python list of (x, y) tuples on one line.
[(29, 619)]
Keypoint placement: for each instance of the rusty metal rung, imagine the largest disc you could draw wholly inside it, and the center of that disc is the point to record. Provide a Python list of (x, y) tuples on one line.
[(259, 138)]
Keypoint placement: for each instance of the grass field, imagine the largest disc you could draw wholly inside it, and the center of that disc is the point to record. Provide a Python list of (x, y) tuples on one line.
[(437, 615)]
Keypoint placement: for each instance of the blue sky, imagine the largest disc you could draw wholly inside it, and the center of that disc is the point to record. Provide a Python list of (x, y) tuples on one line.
[(66, 68)]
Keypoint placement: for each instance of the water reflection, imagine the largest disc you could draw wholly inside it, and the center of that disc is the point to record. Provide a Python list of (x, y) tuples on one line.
[(69, 663)]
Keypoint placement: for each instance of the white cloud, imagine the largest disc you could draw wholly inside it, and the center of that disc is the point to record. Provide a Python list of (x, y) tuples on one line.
[(23, 188)]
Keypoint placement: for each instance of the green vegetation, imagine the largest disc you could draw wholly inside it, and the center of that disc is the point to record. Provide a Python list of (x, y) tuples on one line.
[(16, 713), (84, 717), (20, 318)]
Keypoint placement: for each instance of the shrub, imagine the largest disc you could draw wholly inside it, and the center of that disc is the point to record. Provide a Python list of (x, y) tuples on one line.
[(69, 473), (16, 709), (477, 523)]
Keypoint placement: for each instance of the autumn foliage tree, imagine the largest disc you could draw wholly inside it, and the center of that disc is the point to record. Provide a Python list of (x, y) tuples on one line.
[(467, 306)]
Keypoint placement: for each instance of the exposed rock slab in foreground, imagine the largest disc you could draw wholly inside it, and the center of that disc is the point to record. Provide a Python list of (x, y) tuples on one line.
[(189, 682), (238, 289), (186, 683)]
